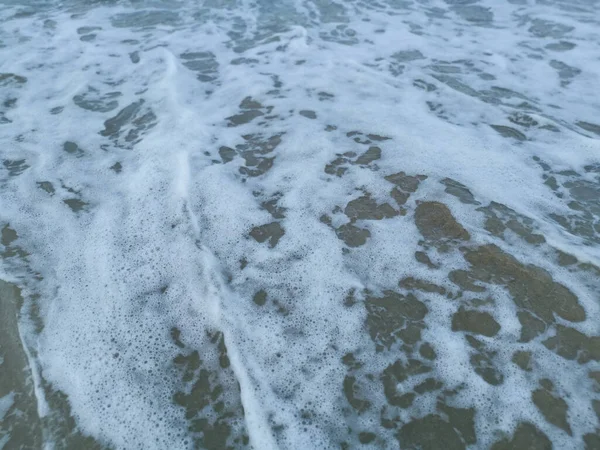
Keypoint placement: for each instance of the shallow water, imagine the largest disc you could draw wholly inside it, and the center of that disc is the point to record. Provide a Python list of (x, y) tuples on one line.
[(299, 224)]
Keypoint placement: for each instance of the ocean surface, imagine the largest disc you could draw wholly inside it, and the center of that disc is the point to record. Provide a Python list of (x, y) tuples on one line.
[(300, 224)]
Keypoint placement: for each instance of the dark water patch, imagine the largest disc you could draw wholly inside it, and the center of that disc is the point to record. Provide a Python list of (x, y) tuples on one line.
[(250, 110), (367, 208), (227, 154), (459, 190), (129, 125), (352, 384), (75, 204), (309, 114), (526, 436), (11, 79), (424, 85), (9, 102), (509, 132), (500, 95), (553, 408), (395, 316), (423, 258), (594, 375), (397, 65), (486, 76), (339, 166), (276, 211), (427, 351), (254, 151), (264, 36), (438, 109), (500, 218), (474, 14), (407, 56), (94, 100), (204, 63), (336, 167), (378, 138), (473, 321), (531, 287), (584, 225), (592, 441), (581, 193), (240, 61), (396, 374), (435, 222), (560, 46), (408, 183), (404, 186), (361, 208), (60, 425), (46, 186), (260, 297), (465, 281), (522, 358), (548, 29), (565, 259), (565, 72), (15, 167), (457, 85), (73, 149), (87, 30), (411, 283), (445, 68), (352, 235), (210, 396), (324, 96), (145, 19), (429, 385), (523, 120), (20, 427), (587, 126), (8, 237), (462, 419), (372, 154), (366, 437), (531, 326), (430, 432), (358, 137), (341, 34), (574, 345), (550, 127), (270, 232), (352, 392), (483, 361)]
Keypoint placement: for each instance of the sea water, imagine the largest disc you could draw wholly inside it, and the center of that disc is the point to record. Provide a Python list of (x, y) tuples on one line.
[(300, 224)]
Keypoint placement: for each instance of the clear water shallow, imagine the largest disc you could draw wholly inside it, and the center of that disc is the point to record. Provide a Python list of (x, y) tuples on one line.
[(300, 224)]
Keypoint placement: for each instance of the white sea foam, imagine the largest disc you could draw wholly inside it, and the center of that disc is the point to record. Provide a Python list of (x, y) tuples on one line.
[(159, 222)]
